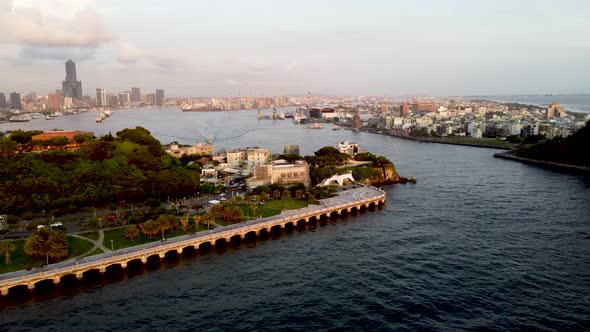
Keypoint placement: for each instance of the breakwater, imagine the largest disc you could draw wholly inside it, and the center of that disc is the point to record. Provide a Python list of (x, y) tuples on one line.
[(510, 155), (349, 201)]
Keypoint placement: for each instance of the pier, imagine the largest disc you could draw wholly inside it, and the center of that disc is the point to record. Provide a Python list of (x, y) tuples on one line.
[(347, 201)]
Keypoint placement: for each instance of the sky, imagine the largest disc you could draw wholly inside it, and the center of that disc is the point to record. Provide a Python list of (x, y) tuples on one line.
[(270, 47)]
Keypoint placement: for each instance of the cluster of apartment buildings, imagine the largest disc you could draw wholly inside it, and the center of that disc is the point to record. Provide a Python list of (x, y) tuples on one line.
[(480, 119)]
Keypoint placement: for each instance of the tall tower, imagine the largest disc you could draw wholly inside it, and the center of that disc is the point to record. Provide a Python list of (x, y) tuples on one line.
[(308, 100), (101, 97), (71, 86), (405, 109), (135, 95), (160, 97)]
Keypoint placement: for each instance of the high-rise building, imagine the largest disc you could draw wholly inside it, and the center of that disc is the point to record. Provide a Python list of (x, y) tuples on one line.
[(384, 110), (54, 101), (15, 102), (101, 97), (554, 110), (113, 100), (160, 97), (135, 95), (125, 97), (71, 86), (2, 100), (404, 110), (151, 98)]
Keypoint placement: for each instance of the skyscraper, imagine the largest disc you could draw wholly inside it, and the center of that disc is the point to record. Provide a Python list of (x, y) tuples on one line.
[(101, 97), (71, 86), (135, 95), (2, 100), (159, 97), (15, 102)]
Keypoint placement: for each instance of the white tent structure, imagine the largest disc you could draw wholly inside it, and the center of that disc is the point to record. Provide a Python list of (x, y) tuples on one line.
[(339, 178)]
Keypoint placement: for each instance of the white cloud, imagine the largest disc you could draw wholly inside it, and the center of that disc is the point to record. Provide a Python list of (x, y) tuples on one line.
[(129, 53), (61, 24)]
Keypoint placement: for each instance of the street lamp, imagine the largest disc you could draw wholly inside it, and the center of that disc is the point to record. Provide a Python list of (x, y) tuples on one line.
[(112, 248)]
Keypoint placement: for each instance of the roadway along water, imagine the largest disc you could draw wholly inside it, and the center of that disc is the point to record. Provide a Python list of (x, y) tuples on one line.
[(477, 243)]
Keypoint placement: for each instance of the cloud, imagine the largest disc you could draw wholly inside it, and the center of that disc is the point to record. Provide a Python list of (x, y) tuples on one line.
[(129, 53), (28, 54), (158, 60), (33, 26)]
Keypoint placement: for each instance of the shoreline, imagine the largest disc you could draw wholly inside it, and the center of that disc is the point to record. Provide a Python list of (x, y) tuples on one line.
[(509, 155), (433, 140)]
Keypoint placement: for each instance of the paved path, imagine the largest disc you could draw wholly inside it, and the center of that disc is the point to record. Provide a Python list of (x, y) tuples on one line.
[(97, 243)]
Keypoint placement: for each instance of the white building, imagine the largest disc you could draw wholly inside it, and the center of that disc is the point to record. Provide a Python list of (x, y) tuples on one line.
[(349, 148)]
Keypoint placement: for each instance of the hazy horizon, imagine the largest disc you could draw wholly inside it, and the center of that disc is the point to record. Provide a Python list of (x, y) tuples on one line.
[(344, 48)]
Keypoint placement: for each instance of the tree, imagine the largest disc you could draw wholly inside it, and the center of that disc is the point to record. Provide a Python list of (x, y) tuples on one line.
[(263, 196), (150, 228), (7, 147), (254, 207), (197, 219), (7, 247), (238, 199), (197, 207), (208, 218), (131, 232), (47, 242), (286, 194), (276, 194), (184, 222), (299, 194)]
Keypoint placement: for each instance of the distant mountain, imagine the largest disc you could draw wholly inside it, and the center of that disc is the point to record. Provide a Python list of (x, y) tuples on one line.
[(574, 149)]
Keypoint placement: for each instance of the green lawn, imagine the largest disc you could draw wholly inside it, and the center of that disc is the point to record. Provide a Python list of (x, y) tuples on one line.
[(77, 247), (273, 207), (92, 236), (21, 261), (120, 241)]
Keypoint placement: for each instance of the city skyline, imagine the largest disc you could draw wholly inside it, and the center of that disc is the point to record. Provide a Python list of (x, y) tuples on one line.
[(377, 48)]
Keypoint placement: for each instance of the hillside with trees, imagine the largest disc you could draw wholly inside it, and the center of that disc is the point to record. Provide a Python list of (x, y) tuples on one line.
[(574, 149), (131, 167)]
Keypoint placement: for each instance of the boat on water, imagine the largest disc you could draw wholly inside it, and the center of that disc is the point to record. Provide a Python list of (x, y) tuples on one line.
[(19, 118), (55, 114), (316, 125), (336, 127), (289, 115)]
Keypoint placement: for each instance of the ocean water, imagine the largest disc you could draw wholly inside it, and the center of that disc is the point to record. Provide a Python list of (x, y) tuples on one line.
[(575, 103), (477, 244)]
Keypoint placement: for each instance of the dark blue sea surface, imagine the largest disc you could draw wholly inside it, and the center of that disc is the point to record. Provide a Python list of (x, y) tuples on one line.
[(477, 244)]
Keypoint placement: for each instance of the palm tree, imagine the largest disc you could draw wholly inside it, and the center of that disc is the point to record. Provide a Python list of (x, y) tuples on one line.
[(184, 222), (197, 219), (238, 199), (263, 196), (299, 194), (276, 194), (7, 247), (254, 207), (47, 242), (208, 218), (286, 194)]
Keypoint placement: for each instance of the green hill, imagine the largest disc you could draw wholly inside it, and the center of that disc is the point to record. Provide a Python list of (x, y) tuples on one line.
[(574, 149)]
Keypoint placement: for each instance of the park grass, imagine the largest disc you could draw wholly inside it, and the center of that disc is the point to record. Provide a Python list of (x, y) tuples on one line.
[(271, 208), (92, 236), (120, 241), (77, 247), (21, 261)]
